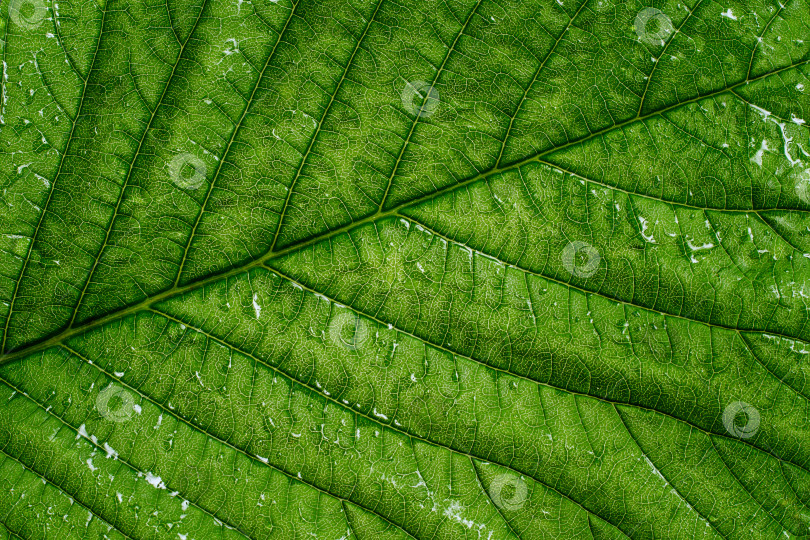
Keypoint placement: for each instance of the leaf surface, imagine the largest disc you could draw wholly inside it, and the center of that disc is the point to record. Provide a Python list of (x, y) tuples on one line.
[(361, 269)]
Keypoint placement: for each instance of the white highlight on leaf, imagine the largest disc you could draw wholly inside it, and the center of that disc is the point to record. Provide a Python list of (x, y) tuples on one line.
[(787, 140), (454, 512), (111, 452), (644, 223), (155, 481), (229, 51), (256, 307), (655, 470), (766, 115), (758, 156), (693, 247)]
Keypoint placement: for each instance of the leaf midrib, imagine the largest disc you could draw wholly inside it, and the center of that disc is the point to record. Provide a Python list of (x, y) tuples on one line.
[(315, 392), (71, 331)]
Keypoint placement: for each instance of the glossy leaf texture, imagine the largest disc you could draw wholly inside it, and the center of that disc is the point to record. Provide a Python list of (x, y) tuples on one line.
[(360, 269)]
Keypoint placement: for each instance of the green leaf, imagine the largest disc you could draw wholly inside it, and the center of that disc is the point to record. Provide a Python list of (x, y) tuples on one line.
[(444, 269)]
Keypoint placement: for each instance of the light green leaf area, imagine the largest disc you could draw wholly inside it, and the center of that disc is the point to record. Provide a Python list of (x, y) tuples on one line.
[(350, 269)]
